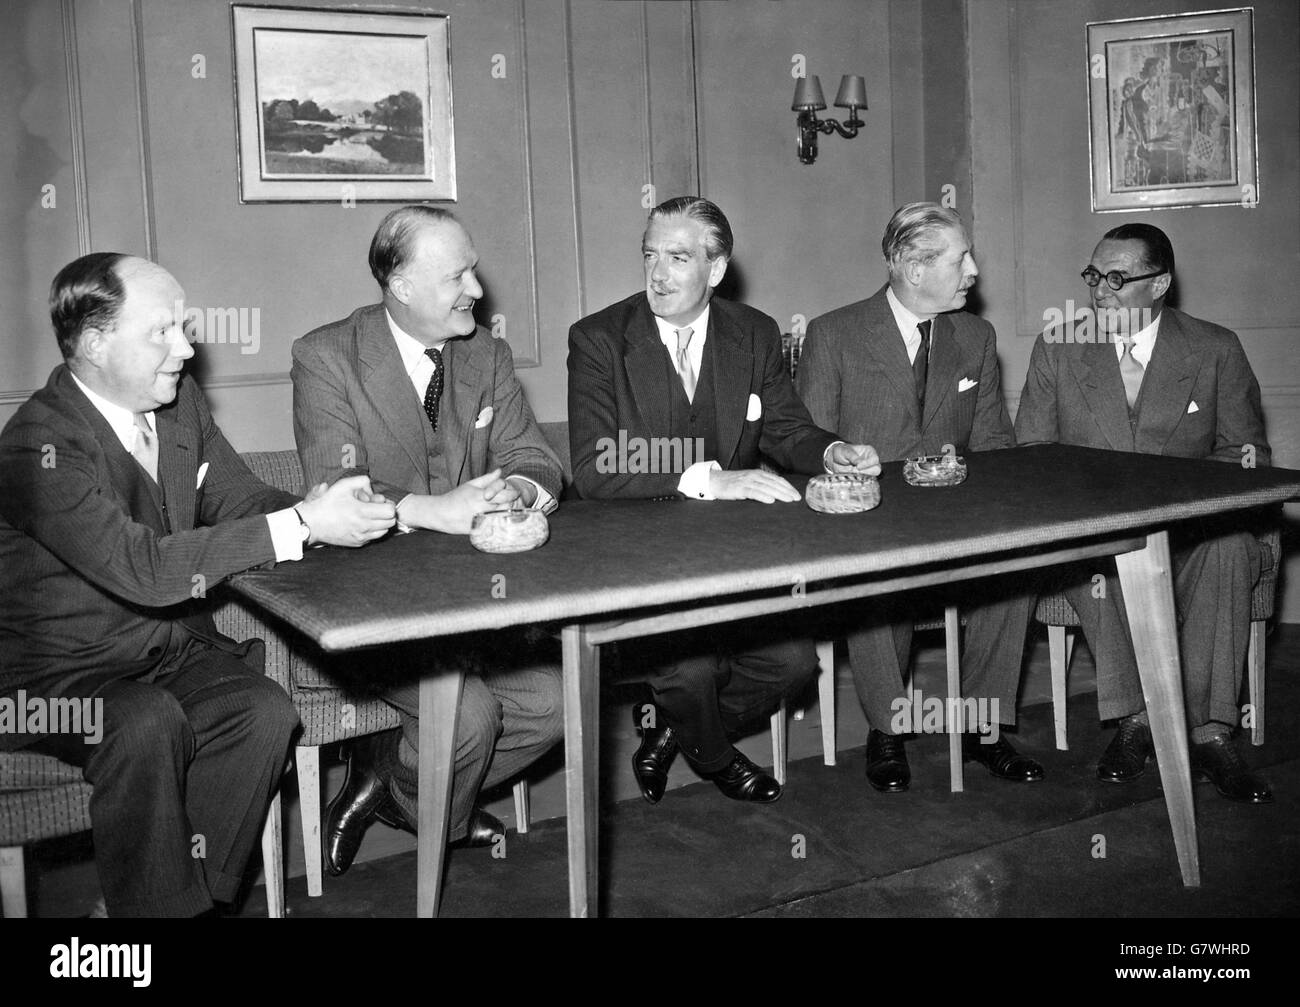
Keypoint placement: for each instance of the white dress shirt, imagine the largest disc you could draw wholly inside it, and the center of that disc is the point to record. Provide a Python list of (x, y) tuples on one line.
[(285, 526), (694, 482), (1144, 344), (907, 326)]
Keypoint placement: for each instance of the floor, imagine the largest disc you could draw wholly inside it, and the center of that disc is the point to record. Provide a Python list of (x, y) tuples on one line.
[(1068, 846)]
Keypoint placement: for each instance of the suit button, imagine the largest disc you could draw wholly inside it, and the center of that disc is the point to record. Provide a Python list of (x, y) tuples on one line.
[(155, 651)]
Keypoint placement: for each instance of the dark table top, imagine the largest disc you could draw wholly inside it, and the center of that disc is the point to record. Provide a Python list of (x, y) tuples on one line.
[(606, 558)]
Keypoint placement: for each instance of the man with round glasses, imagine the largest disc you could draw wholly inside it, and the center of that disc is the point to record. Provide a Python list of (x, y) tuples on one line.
[(1155, 380)]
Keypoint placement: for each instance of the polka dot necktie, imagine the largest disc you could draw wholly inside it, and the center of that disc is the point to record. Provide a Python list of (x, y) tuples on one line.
[(433, 394)]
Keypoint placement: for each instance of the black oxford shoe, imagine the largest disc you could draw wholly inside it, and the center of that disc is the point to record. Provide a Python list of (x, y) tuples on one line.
[(887, 768), (350, 812), (1126, 756), (483, 827), (651, 762), (741, 780), (1219, 761), (1001, 759)]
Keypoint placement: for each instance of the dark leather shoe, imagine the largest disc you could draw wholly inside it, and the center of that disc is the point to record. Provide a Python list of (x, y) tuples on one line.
[(1001, 759), (652, 760), (741, 780), (351, 811), (483, 827), (1125, 758), (1220, 762), (887, 768)]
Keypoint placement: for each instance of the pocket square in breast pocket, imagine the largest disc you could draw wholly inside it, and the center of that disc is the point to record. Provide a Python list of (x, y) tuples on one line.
[(484, 418), (203, 474), (1192, 407), (755, 408), (965, 385)]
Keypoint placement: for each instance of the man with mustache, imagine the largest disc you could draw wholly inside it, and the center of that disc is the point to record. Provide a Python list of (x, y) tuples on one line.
[(121, 507), (911, 372), (413, 393), (675, 362)]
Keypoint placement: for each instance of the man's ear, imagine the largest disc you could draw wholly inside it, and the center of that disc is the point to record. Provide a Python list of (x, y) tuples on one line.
[(400, 287), (913, 270), (92, 345), (1161, 286), (717, 270)]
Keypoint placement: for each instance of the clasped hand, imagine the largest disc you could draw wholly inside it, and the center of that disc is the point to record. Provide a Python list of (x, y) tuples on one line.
[(348, 513)]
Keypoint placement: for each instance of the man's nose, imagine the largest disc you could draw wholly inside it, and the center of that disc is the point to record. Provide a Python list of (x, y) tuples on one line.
[(473, 287), (180, 346)]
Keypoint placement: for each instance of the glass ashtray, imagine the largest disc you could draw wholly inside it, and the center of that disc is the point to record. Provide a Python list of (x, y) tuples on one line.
[(842, 493), (934, 470), (515, 530)]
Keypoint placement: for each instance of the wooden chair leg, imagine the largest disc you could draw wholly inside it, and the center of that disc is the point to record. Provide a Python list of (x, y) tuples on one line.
[(307, 759), (826, 697), (273, 860), (13, 883), (778, 743), (952, 631), (1255, 678), (1059, 647), (521, 807)]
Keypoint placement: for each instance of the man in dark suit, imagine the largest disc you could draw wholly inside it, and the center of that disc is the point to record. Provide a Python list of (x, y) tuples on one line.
[(911, 373), (121, 505), (674, 362), (1136, 375), (413, 393)]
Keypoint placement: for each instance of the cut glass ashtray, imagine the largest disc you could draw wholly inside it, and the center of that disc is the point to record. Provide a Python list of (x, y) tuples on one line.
[(516, 530), (934, 470), (842, 493)]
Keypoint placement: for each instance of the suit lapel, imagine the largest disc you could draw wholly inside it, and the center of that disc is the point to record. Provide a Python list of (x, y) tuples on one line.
[(1096, 369), (467, 367), (1168, 382), (644, 364), (733, 368), (945, 362), (382, 376), (884, 342), (177, 467)]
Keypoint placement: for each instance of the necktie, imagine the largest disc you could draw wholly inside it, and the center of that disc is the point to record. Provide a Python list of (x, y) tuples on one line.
[(921, 363), (433, 394), (1131, 371), (684, 367), (146, 447)]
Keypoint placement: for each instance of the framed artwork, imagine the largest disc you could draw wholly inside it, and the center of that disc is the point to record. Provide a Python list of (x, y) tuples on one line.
[(1171, 104), (344, 105)]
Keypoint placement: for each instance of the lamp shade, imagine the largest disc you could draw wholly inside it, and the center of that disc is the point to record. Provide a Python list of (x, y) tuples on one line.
[(808, 94), (852, 92)]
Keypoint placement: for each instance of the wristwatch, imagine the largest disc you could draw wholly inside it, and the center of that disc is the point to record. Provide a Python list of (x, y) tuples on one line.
[(306, 528)]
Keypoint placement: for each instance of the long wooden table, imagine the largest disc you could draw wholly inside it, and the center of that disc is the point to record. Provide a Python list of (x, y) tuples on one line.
[(618, 570)]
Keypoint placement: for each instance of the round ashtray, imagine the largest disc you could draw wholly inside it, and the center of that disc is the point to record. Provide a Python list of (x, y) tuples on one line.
[(508, 530), (934, 470), (842, 493)]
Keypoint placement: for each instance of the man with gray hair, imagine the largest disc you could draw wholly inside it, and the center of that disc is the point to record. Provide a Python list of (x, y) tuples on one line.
[(416, 395), (910, 372)]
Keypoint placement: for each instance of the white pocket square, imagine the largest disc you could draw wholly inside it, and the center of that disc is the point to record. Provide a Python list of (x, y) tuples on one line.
[(203, 474), (965, 384), (1193, 407), (484, 418), (755, 408)]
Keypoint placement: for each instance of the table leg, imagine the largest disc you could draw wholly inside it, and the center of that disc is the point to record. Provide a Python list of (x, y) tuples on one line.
[(439, 713), (1147, 580), (581, 766)]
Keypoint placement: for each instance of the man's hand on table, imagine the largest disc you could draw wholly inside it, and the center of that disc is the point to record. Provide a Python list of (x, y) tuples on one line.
[(349, 513), (859, 458), (751, 484)]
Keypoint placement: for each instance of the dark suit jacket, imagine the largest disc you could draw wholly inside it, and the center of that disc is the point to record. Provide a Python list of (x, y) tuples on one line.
[(355, 410), (855, 377), (89, 593), (1074, 394), (618, 381)]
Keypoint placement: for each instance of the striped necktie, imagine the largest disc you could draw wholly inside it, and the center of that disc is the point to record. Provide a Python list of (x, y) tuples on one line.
[(684, 367)]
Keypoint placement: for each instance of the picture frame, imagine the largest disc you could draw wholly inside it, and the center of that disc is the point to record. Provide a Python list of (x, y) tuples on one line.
[(342, 106), (1171, 108)]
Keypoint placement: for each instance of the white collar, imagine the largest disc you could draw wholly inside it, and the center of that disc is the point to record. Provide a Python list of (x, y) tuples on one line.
[(121, 419), (411, 349), (1144, 342), (700, 325), (904, 318)]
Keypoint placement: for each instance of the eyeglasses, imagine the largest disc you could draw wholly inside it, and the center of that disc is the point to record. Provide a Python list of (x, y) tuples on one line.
[(1115, 279)]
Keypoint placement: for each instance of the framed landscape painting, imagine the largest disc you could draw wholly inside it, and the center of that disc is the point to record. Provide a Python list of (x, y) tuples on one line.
[(339, 105), (1171, 105)]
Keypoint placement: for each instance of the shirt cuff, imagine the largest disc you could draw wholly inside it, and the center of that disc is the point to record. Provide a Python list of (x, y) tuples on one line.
[(286, 534), (544, 502), (826, 456), (401, 526), (694, 482)]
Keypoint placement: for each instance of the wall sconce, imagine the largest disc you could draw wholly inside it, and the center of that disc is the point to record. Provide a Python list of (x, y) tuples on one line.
[(808, 101)]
